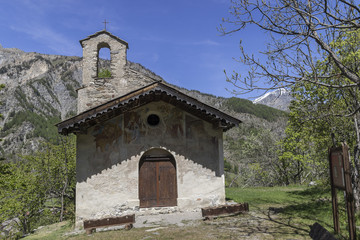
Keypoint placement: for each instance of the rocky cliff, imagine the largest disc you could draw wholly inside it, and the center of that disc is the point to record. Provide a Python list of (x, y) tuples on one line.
[(41, 91)]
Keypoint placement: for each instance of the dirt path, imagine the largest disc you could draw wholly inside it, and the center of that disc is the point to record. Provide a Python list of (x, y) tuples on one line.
[(257, 225)]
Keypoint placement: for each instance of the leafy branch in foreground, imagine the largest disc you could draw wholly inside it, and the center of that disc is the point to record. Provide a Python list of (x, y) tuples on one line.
[(320, 111), (312, 47), (300, 34)]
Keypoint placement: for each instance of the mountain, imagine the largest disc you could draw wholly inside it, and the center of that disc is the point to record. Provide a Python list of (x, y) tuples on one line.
[(40, 91), (279, 99)]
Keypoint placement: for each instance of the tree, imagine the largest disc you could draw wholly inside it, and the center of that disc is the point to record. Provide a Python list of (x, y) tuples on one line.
[(58, 171), (321, 110), (300, 34), (251, 152), (302, 153), (39, 185), (312, 48), (22, 194)]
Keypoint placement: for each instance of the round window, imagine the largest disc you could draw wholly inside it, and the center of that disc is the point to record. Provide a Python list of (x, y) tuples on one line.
[(153, 119)]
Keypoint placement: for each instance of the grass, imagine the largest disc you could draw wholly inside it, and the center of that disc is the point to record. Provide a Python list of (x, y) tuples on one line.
[(275, 213), (261, 197), (52, 232), (295, 206)]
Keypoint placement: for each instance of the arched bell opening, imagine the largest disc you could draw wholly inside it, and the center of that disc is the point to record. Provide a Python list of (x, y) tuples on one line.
[(103, 61)]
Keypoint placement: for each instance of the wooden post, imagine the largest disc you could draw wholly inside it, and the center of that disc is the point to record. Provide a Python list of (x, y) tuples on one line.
[(340, 178), (350, 205), (334, 197), (335, 210)]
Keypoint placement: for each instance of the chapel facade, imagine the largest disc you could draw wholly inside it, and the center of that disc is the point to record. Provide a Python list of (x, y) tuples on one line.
[(141, 143)]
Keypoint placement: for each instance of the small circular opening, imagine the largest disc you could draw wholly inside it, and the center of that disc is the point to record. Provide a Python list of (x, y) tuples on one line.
[(153, 119)]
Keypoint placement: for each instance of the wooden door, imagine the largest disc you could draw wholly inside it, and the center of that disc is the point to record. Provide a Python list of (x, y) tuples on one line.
[(147, 184), (157, 183)]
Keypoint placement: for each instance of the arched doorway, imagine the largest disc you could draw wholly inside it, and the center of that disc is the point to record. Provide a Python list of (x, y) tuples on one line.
[(157, 179)]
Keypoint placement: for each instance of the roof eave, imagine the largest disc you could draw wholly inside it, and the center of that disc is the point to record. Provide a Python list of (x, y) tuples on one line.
[(163, 92), (104, 32)]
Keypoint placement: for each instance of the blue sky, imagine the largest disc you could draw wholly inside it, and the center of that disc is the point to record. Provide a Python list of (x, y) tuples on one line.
[(177, 40)]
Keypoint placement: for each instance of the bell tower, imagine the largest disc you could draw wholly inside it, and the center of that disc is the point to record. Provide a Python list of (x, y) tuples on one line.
[(99, 84)]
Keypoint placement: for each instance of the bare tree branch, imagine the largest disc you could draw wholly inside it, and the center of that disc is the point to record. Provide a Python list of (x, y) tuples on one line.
[(296, 28)]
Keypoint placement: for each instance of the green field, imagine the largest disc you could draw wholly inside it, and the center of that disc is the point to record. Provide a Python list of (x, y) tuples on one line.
[(275, 213), (297, 206)]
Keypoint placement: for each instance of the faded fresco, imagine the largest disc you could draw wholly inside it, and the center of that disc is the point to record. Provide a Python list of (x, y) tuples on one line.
[(200, 143), (107, 138), (174, 117), (134, 127), (129, 134), (106, 134), (169, 130)]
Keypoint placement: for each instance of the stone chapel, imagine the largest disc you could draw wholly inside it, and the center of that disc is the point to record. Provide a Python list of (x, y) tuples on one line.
[(141, 143)]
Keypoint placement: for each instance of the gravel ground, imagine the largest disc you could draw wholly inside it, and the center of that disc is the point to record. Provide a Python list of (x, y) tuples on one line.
[(179, 219), (255, 224), (251, 225)]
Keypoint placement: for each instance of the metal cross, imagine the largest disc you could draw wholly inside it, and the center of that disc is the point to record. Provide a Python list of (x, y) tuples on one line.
[(105, 22)]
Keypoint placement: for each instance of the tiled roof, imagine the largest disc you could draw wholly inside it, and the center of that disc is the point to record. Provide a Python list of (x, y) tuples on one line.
[(104, 32)]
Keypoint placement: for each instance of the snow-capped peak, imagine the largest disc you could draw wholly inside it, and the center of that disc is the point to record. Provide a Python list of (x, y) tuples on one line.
[(280, 99)]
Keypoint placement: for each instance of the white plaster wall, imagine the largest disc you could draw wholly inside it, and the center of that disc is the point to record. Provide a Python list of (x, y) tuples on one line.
[(108, 192), (108, 159), (198, 186)]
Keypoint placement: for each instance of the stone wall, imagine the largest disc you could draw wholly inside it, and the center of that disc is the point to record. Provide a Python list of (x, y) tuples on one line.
[(94, 90), (108, 159)]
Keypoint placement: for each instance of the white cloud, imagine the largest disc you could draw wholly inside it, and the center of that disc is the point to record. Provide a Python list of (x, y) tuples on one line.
[(48, 37)]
